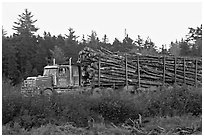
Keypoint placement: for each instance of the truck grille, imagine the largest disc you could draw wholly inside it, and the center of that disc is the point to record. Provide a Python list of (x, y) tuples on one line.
[(29, 83)]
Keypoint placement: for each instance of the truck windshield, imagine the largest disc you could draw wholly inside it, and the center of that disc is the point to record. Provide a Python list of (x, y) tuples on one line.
[(49, 72)]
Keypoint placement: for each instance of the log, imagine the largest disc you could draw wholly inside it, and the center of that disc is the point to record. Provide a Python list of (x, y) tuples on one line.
[(143, 70)]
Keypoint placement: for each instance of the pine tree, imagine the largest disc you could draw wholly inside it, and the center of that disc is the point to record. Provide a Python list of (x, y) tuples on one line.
[(127, 43), (58, 55), (139, 42), (194, 38), (117, 45), (93, 40), (71, 45), (71, 37), (174, 49), (4, 33), (185, 48), (9, 60), (83, 41), (25, 25), (25, 43), (146, 47), (194, 34), (192, 46), (164, 50), (105, 39)]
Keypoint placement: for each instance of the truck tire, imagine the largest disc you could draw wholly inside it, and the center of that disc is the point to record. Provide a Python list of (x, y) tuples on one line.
[(47, 92), (96, 92)]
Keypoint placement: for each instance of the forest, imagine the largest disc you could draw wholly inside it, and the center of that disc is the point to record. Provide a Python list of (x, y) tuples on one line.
[(164, 110), (25, 53)]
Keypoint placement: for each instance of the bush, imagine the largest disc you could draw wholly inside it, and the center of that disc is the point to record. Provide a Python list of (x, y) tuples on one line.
[(116, 107), (174, 101), (73, 108), (11, 102)]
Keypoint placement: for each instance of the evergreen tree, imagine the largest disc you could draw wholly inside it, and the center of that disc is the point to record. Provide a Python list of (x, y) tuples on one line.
[(164, 50), (93, 40), (25, 25), (146, 47), (25, 43), (198, 44), (139, 42), (4, 33), (9, 60), (127, 44), (83, 41), (174, 49), (117, 45), (48, 42), (194, 38), (104, 43), (194, 34), (185, 48), (42, 54), (58, 55), (71, 37), (192, 46), (105, 39), (71, 45), (60, 41)]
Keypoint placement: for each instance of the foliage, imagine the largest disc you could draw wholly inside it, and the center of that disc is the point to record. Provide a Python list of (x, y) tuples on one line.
[(108, 106), (25, 26), (71, 47), (156, 126), (58, 55), (174, 101), (194, 33), (192, 46), (4, 33), (117, 108), (174, 49), (25, 54), (93, 40)]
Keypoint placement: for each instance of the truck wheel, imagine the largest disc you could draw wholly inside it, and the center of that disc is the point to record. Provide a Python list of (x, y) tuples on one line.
[(47, 92), (96, 92)]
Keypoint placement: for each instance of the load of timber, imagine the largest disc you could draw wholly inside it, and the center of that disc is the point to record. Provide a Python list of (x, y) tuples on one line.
[(102, 67)]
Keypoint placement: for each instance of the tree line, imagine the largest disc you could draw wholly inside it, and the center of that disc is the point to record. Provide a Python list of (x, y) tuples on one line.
[(25, 54)]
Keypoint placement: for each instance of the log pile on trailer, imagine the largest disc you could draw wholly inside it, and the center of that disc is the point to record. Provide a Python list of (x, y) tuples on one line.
[(105, 68)]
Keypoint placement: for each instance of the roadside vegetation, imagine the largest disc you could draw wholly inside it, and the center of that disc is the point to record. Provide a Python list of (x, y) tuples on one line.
[(174, 110)]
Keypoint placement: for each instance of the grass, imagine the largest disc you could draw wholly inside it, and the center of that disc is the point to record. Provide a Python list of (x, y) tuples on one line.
[(156, 126), (102, 113)]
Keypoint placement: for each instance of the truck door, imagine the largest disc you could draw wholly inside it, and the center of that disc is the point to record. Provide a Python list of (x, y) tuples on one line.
[(75, 76), (63, 77)]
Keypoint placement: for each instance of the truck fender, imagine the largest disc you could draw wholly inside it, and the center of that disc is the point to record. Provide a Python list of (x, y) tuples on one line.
[(47, 91)]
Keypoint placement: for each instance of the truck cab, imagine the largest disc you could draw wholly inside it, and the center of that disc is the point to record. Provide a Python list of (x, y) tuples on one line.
[(55, 77), (64, 76)]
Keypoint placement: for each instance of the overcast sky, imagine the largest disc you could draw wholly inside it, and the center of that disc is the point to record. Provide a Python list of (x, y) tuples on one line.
[(162, 22)]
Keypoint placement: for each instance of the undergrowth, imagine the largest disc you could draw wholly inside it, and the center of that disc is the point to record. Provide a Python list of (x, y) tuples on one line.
[(82, 109)]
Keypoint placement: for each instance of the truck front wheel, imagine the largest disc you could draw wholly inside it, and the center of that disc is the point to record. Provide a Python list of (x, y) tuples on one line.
[(47, 92)]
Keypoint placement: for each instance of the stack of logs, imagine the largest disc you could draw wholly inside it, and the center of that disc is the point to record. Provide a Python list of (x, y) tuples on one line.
[(105, 68)]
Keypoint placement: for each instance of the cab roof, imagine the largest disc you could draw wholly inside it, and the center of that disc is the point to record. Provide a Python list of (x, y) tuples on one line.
[(51, 67), (57, 66)]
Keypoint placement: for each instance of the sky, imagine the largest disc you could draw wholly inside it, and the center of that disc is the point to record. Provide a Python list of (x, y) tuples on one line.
[(162, 22)]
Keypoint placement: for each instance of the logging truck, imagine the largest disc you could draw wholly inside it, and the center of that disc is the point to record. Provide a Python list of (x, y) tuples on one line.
[(103, 68), (58, 78)]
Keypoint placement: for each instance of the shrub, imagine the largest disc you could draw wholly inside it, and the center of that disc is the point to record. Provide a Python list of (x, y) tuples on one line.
[(174, 101), (115, 107), (74, 108), (11, 102), (118, 107)]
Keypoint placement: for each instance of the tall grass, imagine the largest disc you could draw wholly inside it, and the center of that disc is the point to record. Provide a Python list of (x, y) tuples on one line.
[(80, 109)]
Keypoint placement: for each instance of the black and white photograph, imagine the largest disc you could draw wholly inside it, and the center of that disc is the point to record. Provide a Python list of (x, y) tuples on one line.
[(101, 68)]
